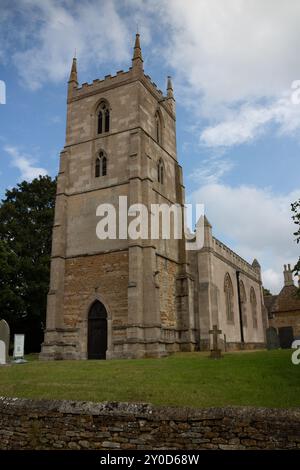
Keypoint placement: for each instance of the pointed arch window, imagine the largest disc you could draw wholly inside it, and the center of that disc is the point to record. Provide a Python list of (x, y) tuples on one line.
[(97, 167), (228, 290), (103, 124), (158, 133), (253, 303), (104, 166), (160, 171), (101, 165), (106, 122), (243, 304)]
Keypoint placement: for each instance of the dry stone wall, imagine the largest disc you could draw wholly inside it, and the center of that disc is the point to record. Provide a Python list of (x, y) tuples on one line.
[(42, 424)]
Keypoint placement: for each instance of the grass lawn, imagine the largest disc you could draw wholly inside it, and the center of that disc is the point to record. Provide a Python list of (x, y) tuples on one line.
[(261, 378)]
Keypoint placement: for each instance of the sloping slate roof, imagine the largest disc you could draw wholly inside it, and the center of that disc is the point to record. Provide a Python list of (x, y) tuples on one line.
[(287, 300)]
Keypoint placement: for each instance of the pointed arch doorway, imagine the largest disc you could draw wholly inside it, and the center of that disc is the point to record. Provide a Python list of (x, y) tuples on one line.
[(97, 331)]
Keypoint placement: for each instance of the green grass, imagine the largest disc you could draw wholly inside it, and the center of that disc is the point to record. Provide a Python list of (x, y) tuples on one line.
[(262, 378)]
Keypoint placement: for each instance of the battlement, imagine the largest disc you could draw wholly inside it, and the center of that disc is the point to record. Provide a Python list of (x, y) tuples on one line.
[(133, 74), (96, 85), (153, 84), (120, 78), (226, 252)]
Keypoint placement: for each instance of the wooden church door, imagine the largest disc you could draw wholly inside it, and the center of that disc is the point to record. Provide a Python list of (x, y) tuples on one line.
[(97, 331)]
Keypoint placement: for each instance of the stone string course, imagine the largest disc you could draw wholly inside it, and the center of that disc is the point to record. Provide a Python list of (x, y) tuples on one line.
[(43, 424)]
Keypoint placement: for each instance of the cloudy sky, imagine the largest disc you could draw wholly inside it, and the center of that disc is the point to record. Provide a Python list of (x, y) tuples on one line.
[(235, 67)]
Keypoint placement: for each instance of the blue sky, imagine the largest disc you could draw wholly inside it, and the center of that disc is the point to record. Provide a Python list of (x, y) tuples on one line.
[(238, 119)]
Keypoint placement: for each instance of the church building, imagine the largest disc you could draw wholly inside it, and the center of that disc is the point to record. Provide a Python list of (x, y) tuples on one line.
[(284, 309), (131, 298)]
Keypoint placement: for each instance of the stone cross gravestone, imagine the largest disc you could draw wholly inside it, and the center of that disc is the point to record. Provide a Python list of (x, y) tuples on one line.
[(4, 340), (272, 338), (215, 353), (225, 345)]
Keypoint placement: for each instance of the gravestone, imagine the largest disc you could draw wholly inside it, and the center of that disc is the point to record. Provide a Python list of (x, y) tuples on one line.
[(286, 336), (272, 338), (215, 353), (19, 341), (4, 339), (2, 352)]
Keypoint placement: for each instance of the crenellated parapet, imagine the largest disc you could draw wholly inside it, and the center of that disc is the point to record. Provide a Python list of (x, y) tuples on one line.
[(78, 91)]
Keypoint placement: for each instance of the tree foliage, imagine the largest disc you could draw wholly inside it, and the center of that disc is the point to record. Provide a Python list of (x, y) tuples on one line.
[(296, 219), (266, 291), (26, 220)]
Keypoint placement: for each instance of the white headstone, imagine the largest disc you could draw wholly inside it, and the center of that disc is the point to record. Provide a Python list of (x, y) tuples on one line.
[(4, 336), (2, 352), (19, 346)]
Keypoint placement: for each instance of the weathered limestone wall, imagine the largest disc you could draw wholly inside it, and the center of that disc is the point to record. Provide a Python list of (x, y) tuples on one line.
[(252, 334), (168, 272), (209, 267), (148, 108), (85, 268), (82, 119), (87, 278), (284, 309), (41, 424), (81, 236), (281, 319)]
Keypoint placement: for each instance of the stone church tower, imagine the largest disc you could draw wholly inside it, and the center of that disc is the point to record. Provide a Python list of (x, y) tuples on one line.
[(145, 296), (117, 298)]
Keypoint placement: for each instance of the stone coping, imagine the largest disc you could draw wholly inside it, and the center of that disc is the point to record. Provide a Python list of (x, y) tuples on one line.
[(148, 411)]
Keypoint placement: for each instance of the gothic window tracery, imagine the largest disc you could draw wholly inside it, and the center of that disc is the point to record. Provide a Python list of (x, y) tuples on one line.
[(243, 304), (158, 128), (253, 303), (160, 171), (103, 124), (101, 165), (228, 290)]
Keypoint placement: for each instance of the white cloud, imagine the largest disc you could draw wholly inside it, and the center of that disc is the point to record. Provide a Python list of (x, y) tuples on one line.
[(273, 280), (256, 222), (230, 58), (56, 119), (24, 164), (212, 170), (56, 29), (250, 121), (234, 50), (227, 56), (234, 64)]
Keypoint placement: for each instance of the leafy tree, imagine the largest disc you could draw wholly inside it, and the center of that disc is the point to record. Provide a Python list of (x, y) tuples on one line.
[(266, 291), (296, 219), (26, 219)]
